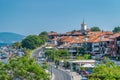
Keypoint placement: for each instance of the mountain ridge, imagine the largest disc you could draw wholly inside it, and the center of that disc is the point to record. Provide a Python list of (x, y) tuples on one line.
[(10, 37)]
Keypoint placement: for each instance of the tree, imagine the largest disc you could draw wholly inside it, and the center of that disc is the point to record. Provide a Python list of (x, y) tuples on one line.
[(83, 57), (57, 54), (116, 29), (79, 57), (87, 56), (108, 71), (3, 73), (17, 45), (73, 31), (22, 68), (43, 33), (31, 42), (63, 53), (82, 50), (95, 29), (43, 36), (50, 54)]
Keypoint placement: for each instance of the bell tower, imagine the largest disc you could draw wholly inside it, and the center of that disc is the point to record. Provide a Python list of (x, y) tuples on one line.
[(83, 27)]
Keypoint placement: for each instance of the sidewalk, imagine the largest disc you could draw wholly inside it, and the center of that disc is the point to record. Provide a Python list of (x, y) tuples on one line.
[(76, 76), (53, 76)]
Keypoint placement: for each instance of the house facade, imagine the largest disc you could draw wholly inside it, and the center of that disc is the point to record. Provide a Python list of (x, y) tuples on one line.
[(95, 43)]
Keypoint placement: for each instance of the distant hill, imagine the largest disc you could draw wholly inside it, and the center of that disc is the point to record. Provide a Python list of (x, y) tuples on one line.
[(8, 37)]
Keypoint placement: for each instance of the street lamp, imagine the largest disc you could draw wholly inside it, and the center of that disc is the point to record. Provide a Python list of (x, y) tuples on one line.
[(51, 72), (71, 71), (50, 68), (71, 66)]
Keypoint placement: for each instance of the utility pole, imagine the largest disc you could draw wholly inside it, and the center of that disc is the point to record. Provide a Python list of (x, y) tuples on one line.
[(51, 72), (71, 66), (50, 68)]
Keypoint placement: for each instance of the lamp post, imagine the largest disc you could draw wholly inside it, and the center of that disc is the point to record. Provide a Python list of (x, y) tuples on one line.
[(50, 69), (51, 72), (71, 66)]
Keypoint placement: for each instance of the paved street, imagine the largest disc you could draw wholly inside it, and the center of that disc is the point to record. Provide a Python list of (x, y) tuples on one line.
[(60, 75), (36, 52)]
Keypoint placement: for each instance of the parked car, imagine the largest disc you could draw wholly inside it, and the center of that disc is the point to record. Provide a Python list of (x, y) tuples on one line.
[(90, 71), (84, 78), (80, 71), (86, 73)]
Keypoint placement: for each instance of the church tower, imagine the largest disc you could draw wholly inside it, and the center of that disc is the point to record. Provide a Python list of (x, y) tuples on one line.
[(83, 27)]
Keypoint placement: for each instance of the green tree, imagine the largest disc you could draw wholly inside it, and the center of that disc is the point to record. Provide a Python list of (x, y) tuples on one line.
[(82, 50), (43, 36), (95, 29), (43, 33), (22, 68), (31, 42), (3, 73), (87, 56), (50, 54), (17, 45), (57, 54), (80, 57), (116, 29), (73, 31), (108, 71), (63, 53), (83, 57)]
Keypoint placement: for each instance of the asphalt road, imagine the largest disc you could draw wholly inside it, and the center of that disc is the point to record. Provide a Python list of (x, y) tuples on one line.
[(60, 75), (36, 52)]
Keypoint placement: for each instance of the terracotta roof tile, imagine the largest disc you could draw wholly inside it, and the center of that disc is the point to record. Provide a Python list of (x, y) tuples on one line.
[(117, 34), (92, 37)]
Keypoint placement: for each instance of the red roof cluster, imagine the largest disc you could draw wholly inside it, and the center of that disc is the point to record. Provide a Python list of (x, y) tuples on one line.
[(90, 37)]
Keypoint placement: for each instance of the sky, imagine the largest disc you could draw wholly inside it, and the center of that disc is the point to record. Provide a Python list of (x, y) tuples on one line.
[(28, 17)]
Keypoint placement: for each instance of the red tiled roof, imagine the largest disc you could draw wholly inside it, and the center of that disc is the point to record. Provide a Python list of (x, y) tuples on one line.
[(92, 37), (117, 34)]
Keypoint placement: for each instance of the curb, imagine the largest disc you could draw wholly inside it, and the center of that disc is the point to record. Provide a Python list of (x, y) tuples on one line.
[(53, 76)]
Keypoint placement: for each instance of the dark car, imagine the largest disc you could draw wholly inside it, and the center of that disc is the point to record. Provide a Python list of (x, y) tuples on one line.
[(90, 71), (81, 71), (86, 73)]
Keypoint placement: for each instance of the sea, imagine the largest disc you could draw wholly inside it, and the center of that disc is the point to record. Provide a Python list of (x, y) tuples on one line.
[(5, 44)]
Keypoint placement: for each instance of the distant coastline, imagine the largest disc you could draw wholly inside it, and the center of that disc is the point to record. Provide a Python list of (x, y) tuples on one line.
[(5, 44), (8, 38)]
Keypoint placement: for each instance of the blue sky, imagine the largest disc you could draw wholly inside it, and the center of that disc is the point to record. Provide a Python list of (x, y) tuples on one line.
[(34, 16)]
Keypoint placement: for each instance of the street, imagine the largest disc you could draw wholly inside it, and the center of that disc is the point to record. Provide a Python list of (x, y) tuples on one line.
[(60, 75), (36, 52)]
